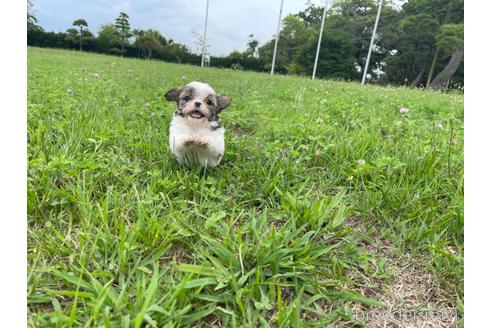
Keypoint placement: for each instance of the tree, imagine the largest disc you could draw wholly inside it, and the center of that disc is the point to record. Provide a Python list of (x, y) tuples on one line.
[(292, 38), (356, 18), (74, 37), (81, 24), (123, 27), (352, 19), (336, 57), (200, 42), (414, 41), (32, 27), (445, 12), (176, 51), (450, 39), (148, 41), (411, 47), (252, 45), (312, 15), (108, 39), (30, 13)]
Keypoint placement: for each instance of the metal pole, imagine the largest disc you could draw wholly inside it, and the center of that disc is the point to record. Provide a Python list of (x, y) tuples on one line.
[(372, 42), (276, 37), (204, 45), (319, 40)]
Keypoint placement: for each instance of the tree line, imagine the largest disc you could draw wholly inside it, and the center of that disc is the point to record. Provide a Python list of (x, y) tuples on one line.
[(420, 44)]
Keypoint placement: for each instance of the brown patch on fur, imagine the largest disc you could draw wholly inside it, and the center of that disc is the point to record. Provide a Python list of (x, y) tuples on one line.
[(222, 102), (173, 94), (196, 142)]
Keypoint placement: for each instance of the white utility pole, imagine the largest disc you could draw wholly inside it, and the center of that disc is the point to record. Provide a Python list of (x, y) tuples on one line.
[(319, 40), (276, 37), (204, 45), (372, 41)]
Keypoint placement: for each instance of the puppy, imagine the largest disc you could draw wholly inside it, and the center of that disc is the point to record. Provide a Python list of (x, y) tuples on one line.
[(195, 134)]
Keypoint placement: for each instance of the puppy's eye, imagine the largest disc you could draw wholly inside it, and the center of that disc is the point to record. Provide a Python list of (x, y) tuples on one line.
[(209, 102), (187, 98)]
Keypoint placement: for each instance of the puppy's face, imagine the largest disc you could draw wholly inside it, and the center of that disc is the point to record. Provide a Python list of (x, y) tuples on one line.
[(198, 101)]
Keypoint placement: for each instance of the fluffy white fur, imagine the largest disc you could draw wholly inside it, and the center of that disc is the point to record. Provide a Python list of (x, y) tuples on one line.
[(197, 141), (184, 130), (203, 89)]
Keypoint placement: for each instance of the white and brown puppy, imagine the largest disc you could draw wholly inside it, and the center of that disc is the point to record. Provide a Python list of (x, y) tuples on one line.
[(195, 134)]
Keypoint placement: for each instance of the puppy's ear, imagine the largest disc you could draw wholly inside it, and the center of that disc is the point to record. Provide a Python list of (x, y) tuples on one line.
[(223, 102), (173, 94)]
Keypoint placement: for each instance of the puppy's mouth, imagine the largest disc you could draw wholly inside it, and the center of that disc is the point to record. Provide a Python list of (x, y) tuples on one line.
[(196, 114)]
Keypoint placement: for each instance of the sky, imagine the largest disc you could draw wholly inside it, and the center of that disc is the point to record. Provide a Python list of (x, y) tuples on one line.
[(230, 22)]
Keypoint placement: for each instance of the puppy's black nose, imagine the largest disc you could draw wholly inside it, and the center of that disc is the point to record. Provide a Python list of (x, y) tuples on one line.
[(197, 104)]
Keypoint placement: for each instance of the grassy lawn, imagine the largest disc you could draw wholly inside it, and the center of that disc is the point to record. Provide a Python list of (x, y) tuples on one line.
[(329, 202)]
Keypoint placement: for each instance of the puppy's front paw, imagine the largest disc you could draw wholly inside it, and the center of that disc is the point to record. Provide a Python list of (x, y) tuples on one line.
[(196, 142), (201, 142)]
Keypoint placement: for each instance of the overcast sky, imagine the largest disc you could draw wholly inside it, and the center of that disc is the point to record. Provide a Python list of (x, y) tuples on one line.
[(230, 21)]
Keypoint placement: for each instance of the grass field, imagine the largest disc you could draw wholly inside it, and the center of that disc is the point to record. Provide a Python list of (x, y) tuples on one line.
[(329, 202)]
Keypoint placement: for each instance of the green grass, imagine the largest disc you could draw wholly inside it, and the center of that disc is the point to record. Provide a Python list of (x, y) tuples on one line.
[(120, 235)]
